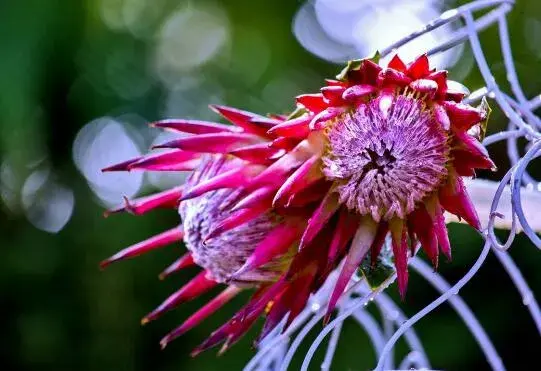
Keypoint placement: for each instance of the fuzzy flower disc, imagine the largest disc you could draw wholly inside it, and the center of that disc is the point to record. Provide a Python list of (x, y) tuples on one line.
[(386, 156)]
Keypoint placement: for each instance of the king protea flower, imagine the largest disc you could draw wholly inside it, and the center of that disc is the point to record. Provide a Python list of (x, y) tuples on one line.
[(277, 203)]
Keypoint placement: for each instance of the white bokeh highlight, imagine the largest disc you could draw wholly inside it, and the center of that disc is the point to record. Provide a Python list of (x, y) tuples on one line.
[(47, 204), (190, 37), (99, 144), (340, 30)]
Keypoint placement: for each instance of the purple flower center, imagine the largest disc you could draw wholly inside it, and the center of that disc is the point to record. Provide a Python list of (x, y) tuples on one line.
[(386, 156), (224, 254)]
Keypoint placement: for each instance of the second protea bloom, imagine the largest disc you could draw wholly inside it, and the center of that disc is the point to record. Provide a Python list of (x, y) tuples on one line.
[(277, 203)]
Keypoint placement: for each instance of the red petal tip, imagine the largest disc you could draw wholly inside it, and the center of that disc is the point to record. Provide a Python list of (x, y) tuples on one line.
[(419, 67), (105, 263), (397, 64), (327, 319), (123, 166), (199, 285), (164, 342), (183, 262), (158, 241), (194, 353), (161, 146)]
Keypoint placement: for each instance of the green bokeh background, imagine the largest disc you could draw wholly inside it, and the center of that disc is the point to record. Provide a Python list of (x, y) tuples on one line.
[(59, 312)]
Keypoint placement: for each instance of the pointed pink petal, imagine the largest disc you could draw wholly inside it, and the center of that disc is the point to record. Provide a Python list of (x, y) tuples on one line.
[(233, 178), (284, 143), (359, 247), (393, 77), (476, 155), (309, 194), (188, 165), (463, 116), (230, 332), (332, 82), (315, 255), (379, 240), (425, 86), (216, 337), (370, 72), (329, 205), (167, 161), (196, 318), (400, 252), (212, 143), (237, 334), (276, 243), (441, 231), (197, 286), (265, 123), (318, 121), (312, 102), (123, 166), (397, 64), (166, 199), (305, 174), (356, 92), (242, 119), (184, 261), (239, 217), (303, 290), (243, 320), (193, 126), (284, 303), (278, 311), (291, 302), (454, 198), (260, 299), (412, 237), (423, 225), (454, 96), (440, 77), (333, 94), (419, 68), (278, 172), (258, 153), (295, 128), (456, 92), (347, 225), (153, 243), (466, 162), (259, 196)]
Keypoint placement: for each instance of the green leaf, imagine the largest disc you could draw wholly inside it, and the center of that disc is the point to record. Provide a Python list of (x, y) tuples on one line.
[(485, 108), (377, 273), (356, 64), (352, 65), (375, 57), (298, 112)]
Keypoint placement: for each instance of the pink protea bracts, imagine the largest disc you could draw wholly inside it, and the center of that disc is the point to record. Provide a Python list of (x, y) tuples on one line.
[(277, 203)]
